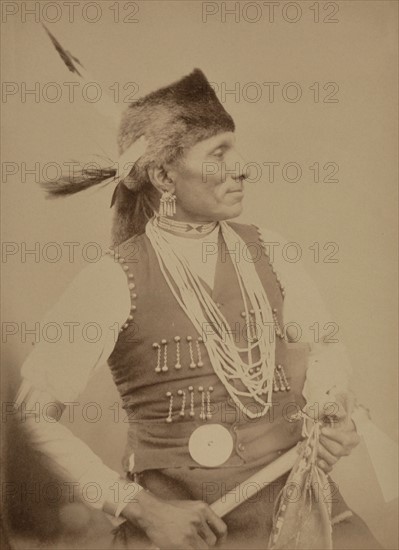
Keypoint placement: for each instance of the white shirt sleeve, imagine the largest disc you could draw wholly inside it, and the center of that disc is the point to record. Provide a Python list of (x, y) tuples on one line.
[(88, 314), (86, 318), (307, 320)]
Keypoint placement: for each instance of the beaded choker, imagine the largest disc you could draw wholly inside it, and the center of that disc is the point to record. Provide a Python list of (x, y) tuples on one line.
[(184, 227)]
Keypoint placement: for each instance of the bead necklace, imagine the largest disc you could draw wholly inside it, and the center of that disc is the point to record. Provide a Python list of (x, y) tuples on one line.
[(184, 227), (242, 379)]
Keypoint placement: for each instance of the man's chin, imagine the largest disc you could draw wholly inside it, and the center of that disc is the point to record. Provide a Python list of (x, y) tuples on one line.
[(231, 212), (237, 208)]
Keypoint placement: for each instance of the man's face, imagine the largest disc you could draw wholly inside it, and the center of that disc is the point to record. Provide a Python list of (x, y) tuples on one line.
[(209, 181)]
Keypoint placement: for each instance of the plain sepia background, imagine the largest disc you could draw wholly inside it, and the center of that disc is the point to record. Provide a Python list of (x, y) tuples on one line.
[(357, 132)]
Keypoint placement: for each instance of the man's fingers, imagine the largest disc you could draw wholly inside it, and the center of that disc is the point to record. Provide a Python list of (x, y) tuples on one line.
[(345, 437), (347, 399), (334, 412), (335, 448), (217, 525), (207, 534), (324, 466), (199, 543), (326, 456)]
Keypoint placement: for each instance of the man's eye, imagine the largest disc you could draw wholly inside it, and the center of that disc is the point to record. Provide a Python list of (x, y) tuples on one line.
[(218, 153)]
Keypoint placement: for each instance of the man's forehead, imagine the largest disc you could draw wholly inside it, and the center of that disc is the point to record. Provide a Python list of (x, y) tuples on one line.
[(224, 139)]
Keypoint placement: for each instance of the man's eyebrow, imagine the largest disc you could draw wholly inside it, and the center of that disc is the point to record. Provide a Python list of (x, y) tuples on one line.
[(224, 144)]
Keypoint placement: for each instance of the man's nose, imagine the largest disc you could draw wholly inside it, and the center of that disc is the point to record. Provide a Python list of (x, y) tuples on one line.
[(240, 172)]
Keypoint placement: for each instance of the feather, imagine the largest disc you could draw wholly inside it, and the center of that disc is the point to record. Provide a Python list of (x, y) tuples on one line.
[(83, 179), (130, 157), (79, 181), (104, 105), (383, 452), (126, 162), (114, 195), (66, 57)]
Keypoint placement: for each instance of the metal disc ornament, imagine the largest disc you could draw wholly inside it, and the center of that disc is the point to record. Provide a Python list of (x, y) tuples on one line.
[(210, 445)]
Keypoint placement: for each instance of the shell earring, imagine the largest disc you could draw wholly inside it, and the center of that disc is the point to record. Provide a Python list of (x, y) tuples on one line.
[(167, 204)]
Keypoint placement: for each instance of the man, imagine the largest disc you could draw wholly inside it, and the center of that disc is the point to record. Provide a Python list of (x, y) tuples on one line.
[(209, 378)]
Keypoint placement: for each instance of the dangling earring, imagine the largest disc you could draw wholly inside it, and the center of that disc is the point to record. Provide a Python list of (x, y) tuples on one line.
[(167, 204)]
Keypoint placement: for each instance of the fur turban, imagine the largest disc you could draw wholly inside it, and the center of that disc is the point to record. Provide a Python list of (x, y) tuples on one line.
[(172, 119)]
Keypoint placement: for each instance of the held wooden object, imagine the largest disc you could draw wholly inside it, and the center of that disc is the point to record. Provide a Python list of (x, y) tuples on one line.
[(253, 484)]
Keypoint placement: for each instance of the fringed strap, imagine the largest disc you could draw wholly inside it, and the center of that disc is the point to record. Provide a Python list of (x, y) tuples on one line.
[(301, 520)]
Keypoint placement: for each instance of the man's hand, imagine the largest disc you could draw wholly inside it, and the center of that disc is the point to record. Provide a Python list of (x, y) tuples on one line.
[(336, 442), (338, 436), (175, 524)]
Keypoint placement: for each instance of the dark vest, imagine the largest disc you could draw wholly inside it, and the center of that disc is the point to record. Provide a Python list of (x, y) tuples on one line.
[(143, 365)]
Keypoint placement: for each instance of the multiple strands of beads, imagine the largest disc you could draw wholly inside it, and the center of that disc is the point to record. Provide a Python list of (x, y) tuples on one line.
[(205, 403), (280, 381), (194, 351), (280, 384), (162, 356), (230, 361), (252, 328)]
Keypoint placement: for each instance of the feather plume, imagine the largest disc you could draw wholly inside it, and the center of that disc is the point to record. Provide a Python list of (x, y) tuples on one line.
[(84, 178), (66, 56), (130, 157), (383, 452), (81, 180), (104, 105)]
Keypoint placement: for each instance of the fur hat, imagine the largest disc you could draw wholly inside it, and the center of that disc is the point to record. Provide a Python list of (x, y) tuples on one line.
[(172, 118)]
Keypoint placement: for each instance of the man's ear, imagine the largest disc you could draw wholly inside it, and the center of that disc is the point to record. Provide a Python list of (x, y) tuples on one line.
[(160, 179)]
